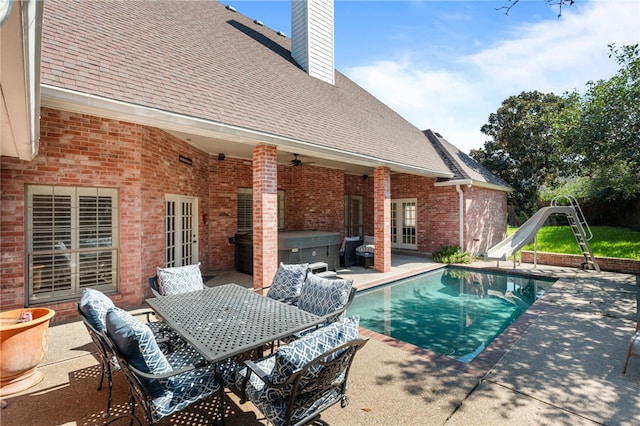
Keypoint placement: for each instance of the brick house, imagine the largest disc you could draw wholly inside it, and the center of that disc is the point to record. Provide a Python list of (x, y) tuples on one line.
[(165, 128)]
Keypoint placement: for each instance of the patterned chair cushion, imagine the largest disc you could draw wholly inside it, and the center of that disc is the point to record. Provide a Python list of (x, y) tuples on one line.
[(346, 240), (179, 279), (138, 346), (288, 281), (279, 366), (322, 296), (94, 305), (183, 390), (186, 388), (367, 246)]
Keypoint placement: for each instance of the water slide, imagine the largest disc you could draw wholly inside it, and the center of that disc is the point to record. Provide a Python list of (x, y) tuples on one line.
[(527, 232)]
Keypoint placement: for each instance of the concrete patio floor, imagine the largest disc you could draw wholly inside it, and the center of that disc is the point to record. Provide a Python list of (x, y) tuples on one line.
[(558, 364)]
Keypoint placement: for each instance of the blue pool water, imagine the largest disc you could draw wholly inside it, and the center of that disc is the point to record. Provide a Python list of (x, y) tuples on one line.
[(452, 311)]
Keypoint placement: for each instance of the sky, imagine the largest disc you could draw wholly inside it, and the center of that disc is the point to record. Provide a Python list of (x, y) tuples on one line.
[(447, 65)]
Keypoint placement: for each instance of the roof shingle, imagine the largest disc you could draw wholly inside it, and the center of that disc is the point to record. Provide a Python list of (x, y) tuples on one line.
[(198, 59)]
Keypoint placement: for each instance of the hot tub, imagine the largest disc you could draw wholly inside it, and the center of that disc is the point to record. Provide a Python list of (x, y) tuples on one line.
[(309, 247)]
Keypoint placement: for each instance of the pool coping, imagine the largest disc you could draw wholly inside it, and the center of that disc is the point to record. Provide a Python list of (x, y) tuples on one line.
[(486, 360)]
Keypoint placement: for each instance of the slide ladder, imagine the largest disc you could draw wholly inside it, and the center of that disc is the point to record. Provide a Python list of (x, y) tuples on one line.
[(580, 229)]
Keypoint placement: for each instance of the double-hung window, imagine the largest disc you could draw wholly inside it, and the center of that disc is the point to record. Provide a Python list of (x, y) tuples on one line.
[(72, 241)]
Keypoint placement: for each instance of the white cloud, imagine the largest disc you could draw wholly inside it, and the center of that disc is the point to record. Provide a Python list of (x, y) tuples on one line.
[(550, 56)]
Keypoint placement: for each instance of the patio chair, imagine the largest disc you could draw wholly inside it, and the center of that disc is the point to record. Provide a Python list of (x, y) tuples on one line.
[(304, 378), (324, 297), (287, 282), (348, 251), (366, 250), (159, 384), (176, 280), (632, 351), (93, 307)]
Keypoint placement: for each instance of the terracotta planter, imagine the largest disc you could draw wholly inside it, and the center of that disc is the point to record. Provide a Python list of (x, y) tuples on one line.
[(22, 347)]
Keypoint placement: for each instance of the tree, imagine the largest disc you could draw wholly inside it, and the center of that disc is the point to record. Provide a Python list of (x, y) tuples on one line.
[(604, 132), (559, 3), (525, 150)]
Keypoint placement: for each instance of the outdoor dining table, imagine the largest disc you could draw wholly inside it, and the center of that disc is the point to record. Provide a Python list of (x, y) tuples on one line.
[(230, 320)]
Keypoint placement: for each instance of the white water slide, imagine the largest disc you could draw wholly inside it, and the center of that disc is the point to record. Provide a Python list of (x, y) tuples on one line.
[(527, 233)]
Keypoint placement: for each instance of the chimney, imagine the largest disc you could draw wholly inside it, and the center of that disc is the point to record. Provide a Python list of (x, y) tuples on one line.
[(312, 37)]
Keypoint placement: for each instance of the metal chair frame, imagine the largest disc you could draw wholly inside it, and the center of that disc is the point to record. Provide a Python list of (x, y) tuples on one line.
[(323, 380)]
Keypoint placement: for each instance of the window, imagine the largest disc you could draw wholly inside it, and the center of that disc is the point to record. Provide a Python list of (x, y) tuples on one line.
[(72, 241), (353, 215), (245, 209)]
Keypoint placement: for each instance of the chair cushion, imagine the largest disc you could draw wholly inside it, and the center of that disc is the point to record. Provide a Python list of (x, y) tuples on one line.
[(288, 281), (322, 296), (94, 306), (179, 279), (292, 356), (367, 246), (346, 240), (300, 352), (138, 346)]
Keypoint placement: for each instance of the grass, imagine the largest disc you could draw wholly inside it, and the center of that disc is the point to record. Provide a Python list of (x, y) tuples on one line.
[(607, 241)]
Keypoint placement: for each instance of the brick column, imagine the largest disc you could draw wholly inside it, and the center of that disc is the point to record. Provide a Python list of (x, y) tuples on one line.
[(382, 218), (265, 215)]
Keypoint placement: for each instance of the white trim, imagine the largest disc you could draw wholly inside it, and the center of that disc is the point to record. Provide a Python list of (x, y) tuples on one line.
[(83, 103), (470, 183)]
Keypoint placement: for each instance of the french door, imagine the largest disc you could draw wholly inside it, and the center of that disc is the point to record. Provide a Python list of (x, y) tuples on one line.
[(404, 223), (181, 230)]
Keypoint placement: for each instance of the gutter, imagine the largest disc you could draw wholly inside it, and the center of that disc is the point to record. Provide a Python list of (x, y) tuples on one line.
[(83, 103)]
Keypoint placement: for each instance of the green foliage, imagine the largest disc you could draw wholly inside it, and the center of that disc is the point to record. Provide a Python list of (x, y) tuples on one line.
[(604, 132), (525, 150), (451, 254), (587, 146), (607, 241)]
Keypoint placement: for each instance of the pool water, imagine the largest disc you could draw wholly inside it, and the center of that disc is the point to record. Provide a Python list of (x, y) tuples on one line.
[(452, 311)]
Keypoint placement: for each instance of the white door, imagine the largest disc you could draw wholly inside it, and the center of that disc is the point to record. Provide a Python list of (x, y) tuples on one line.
[(181, 230), (404, 224)]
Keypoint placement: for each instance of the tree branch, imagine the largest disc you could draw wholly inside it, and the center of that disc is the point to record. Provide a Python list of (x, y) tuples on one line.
[(558, 3)]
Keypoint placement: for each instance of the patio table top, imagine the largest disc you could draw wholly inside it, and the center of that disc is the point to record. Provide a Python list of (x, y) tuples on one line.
[(229, 320)]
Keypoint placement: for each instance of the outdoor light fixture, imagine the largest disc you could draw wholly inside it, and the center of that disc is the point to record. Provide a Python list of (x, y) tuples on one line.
[(221, 157)]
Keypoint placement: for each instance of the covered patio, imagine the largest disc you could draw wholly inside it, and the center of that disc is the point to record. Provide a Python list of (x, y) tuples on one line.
[(561, 365)]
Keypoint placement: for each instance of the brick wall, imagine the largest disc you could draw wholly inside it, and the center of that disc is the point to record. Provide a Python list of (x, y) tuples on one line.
[(626, 266), (226, 177), (81, 150), (314, 198), (486, 218)]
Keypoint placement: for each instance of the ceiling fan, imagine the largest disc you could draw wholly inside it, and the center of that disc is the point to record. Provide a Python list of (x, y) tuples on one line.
[(296, 162)]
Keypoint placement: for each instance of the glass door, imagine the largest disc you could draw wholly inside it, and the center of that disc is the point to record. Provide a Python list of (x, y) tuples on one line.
[(181, 230), (404, 224)]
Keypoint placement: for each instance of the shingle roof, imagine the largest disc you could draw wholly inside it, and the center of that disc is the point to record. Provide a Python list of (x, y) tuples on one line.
[(199, 59), (463, 166)]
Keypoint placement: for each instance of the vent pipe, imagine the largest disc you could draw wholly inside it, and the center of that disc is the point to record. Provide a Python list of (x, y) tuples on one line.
[(312, 37)]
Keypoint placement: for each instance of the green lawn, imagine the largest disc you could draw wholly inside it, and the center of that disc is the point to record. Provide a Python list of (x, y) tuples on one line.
[(607, 241)]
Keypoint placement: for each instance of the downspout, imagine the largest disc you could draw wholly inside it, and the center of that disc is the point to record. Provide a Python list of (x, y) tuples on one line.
[(461, 214)]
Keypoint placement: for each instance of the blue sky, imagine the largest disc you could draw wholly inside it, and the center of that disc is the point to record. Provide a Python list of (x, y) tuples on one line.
[(447, 65)]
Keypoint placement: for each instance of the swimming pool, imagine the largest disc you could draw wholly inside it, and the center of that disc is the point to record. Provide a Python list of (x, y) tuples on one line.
[(452, 311)]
